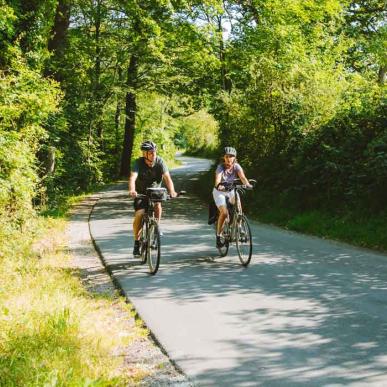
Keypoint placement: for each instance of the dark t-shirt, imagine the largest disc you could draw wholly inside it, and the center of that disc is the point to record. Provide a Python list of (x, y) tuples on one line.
[(149, 176)]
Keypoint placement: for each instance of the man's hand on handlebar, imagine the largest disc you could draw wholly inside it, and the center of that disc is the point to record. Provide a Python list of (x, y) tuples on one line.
[(133, 194)]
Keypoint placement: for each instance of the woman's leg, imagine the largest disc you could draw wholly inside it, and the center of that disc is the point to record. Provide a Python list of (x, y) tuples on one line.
[(220, 201), (223, 213)]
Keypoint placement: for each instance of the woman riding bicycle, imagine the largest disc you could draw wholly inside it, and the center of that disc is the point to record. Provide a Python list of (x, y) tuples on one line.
[(226, 172)]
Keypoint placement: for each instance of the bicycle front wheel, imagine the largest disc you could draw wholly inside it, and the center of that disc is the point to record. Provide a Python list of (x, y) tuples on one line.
[(153, 248), (143, 244), (244, 241)]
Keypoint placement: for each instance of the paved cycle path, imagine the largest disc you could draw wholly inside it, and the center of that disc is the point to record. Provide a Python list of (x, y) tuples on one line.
[(306, 312)]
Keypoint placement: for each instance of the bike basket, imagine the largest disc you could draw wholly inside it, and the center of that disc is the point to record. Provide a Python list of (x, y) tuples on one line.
[(157, 194)]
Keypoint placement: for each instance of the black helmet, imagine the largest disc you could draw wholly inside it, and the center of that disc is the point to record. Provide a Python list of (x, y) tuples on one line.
[(229, 150), (148, 146)]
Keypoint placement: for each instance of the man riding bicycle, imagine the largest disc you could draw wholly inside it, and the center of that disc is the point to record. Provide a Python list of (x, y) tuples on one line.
[(148, 172), (226, 172)]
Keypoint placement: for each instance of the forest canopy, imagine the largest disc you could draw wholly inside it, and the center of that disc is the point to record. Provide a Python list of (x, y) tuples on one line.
[(297, 86)]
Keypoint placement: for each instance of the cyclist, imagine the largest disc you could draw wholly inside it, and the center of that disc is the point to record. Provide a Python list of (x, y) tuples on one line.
[(226, 172), (148, 171)]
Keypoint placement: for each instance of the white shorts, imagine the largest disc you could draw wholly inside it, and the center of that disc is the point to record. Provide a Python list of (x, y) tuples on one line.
[(220, 197)]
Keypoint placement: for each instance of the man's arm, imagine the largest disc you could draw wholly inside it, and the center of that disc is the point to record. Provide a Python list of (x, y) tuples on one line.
[(132, 184), (169, 183)]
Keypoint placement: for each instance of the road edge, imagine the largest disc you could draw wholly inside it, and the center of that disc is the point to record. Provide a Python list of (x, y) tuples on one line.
[(89, 204)]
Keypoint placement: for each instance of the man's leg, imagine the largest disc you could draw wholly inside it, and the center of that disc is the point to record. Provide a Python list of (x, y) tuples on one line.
[(137, 228), (137, 224), (158, 211)]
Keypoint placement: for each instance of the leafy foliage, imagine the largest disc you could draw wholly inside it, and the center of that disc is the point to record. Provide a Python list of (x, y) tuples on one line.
[(297, 86), (26, 101)]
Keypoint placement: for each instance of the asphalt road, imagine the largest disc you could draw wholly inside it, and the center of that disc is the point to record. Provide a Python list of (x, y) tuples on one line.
[(306, 312)]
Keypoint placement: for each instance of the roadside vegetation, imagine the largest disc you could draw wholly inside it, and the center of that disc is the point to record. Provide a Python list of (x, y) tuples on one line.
[(298, 87), (53, 331), (359, 227)]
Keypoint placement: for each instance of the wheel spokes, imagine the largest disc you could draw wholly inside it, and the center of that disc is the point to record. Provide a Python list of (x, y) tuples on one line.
[(244, 242), (153, 248)]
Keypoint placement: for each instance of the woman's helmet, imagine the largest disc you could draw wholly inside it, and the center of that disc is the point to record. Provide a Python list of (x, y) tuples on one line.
[(229, 150), (148, 146)]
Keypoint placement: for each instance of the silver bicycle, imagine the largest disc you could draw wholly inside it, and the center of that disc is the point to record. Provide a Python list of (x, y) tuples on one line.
[(236, 228)]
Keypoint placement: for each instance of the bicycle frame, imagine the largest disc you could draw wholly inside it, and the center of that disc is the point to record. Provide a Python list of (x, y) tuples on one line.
[(232, 217)]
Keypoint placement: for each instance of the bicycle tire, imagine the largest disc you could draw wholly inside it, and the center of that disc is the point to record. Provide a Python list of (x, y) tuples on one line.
[(244, 242), (143, 244), (153, 248)]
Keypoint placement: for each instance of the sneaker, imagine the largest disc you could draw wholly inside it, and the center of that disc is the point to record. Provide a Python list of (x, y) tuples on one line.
[(136, 249), (219, 243)]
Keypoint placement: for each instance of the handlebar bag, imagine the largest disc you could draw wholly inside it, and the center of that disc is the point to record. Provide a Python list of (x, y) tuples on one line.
[(157, 194)]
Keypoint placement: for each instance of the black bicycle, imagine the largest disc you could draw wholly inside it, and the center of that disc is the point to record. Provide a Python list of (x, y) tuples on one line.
[(236, 227), (150, 247)]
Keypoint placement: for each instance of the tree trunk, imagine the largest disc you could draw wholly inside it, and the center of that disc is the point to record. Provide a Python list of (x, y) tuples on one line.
[(97, 74), (117, 140), (60, 27), (130, 120), (382, 75), (117, 116), (225, 81), (58, 34)]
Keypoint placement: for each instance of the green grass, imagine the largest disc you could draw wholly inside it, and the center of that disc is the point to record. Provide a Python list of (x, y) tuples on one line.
[(353, 228), (59, 206), (52, 331), (357, 226)]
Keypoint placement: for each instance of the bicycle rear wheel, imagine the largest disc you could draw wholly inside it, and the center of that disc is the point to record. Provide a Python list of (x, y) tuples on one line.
[(244, 241), (153, 248)]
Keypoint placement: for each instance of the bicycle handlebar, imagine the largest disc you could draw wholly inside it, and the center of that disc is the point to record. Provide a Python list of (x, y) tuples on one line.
[(229, 185), (169, 197)]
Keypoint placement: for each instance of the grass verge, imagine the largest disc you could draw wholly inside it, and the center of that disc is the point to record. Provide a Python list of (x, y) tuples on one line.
[(357, 227), (52, 331)]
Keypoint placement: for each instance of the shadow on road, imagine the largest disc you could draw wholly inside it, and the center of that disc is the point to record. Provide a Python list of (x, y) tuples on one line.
[(308, 313)]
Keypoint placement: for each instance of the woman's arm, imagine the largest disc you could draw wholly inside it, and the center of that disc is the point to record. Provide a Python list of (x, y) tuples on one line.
[(243, 178), (218, 178)]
